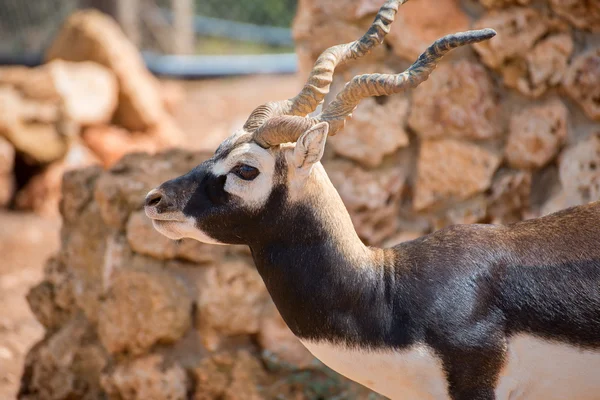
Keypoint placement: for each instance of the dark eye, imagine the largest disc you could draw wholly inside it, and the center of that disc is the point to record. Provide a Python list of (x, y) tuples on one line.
[(245, 172)]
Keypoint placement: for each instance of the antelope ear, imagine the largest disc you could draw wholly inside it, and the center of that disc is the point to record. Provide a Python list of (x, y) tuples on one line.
[(310, 146)]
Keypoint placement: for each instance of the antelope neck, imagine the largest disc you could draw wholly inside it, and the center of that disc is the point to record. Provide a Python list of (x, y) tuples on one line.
[(325, 283)]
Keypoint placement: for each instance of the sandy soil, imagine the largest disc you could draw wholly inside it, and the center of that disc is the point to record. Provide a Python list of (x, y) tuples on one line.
[(211, 111)]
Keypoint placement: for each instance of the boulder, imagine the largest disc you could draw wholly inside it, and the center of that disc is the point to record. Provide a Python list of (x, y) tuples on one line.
[(450, 170), (541, 68), (579, 172), (457, 101), (146, 378), (418, 25), (536, 134), (376, 130), (7, 162), (141, 309), (509, 197), (89, 35), (581, 14), (582, 82)]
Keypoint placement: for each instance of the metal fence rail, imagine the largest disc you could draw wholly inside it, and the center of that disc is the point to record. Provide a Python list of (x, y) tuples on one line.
[(230, 37)]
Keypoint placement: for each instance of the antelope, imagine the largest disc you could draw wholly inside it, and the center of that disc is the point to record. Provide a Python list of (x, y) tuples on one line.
[(484, 312)]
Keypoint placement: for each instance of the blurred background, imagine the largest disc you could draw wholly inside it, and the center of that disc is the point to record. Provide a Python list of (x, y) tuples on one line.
[(101, 100)]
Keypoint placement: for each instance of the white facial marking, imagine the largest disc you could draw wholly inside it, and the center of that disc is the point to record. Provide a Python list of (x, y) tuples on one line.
[(180, 229), (254, 193), (535, 369)]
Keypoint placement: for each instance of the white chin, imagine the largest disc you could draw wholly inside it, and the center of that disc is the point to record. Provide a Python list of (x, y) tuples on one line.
[(176, 230)]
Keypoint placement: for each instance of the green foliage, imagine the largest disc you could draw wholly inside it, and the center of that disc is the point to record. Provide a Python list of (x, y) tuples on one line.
[(260, 12)]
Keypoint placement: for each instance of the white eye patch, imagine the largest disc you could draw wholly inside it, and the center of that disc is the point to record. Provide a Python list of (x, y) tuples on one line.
[(254, 193)]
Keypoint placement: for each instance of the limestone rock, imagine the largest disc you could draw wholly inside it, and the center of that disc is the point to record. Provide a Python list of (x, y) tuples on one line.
[(536, 134), (503, 3), (42, 192), (316, 27), (89, 91), (374, 131), (458, 101), (144, 239), (279, 344), (52, 300), (452, 170), (418, 25), (67, 364), (582, 82), (579, 171), (146, 378), (518, 29), (371, 196), (509, 197), (542, 68), (89, 35), (582, 14), (470, 211), (7, 160), (32, 83), (141, 309), (231, 298), (111, 143), (229, 376)]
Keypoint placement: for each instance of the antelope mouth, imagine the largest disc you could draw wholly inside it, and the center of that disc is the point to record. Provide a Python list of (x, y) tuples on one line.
[(169, 216)]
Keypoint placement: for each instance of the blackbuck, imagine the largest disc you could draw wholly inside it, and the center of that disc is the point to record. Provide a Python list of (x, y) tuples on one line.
[(468, 312)]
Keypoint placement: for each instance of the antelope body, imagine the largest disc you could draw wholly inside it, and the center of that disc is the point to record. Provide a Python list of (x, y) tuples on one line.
[(468, 312)]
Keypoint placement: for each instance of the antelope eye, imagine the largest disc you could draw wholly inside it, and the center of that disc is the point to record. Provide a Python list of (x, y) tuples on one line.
[(245, 172)]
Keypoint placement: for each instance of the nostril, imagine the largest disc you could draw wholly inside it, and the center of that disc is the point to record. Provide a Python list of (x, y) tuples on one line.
[(153, 198)]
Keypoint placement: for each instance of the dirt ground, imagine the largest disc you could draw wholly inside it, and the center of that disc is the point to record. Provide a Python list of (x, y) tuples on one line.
[(211, 111)]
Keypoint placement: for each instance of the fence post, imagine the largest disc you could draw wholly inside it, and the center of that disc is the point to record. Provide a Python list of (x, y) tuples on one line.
[(183, 26), (128, 15)]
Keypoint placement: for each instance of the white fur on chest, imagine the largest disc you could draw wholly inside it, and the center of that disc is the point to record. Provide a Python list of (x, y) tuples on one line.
[(534, 370)]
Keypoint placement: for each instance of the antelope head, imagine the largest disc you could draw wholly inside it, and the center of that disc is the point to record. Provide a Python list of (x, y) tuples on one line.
[(267, 176)]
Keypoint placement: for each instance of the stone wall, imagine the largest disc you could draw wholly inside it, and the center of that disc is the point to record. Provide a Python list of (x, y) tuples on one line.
[(130, 314), (503, 131)]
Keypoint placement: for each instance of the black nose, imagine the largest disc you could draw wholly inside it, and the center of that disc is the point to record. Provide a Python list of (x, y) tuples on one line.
[(159, 200)]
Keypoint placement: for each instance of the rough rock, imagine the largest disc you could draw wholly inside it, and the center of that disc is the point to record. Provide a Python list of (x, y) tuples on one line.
[(146, 378), (67, 364), (448, 169), (52, 300), (231, 298), (374, 131), (418, 25), (579, 171), (458, 100), (470, 211), (503, 3), (508, 199), (31, 127), (32, 83), (228, 376), (145, 240), (518, 29), (582, 82), (7, 161), (89, 35), (536, 134), (43, 192), (582, 14), (279, 344), (371, 196), (89, 91), (542, 68), (142, 309), (316, 27)]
